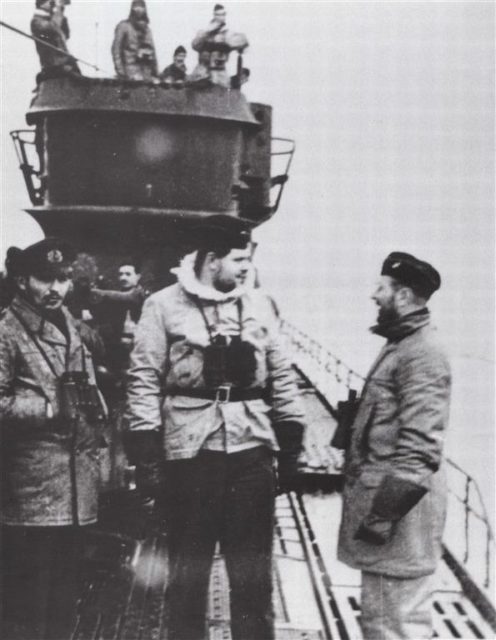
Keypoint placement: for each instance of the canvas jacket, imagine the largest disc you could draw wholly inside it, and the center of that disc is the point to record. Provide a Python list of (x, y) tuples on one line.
[(399, 430), (168, 357)]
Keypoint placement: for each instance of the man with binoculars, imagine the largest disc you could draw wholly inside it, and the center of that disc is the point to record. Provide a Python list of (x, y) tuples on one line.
[(51, 418), (206, 360)]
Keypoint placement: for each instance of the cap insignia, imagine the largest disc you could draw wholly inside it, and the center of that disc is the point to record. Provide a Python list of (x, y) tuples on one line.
[(54, 256)]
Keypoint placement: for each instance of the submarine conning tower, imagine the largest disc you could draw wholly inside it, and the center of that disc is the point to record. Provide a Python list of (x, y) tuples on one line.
[(119, 166)]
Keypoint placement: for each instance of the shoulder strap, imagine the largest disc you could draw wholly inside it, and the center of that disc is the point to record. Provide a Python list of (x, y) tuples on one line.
[(26, 328)]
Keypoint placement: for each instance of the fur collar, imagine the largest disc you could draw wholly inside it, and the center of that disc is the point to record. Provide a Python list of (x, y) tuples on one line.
[(190, 283)]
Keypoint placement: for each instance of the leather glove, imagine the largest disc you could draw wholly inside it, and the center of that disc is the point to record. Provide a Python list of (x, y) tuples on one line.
[(144, 450), (395, 497), (289, 436)]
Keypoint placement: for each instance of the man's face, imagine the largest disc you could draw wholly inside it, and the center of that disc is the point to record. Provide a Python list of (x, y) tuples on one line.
[(128, 278), (139, 12), (49, 6), (47, 295), (220, 16), (233, 269), (385, 298), (180, 59)]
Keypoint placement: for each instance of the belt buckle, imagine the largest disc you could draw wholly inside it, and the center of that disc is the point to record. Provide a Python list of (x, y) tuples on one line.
[(223, 394)]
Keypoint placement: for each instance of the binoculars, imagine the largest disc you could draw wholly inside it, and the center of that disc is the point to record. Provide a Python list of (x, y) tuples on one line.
[(229, 360), (79, 398)]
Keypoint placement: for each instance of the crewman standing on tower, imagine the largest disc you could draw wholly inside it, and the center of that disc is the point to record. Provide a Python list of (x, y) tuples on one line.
[(133, 50)]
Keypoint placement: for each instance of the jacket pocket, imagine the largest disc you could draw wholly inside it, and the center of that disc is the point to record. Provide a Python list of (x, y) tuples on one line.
[(371, 479), (187, 421)]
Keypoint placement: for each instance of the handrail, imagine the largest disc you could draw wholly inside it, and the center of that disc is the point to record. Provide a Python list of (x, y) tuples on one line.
[(21, 142), (281, 180), (480, 514), (328, 374), (326, 371)]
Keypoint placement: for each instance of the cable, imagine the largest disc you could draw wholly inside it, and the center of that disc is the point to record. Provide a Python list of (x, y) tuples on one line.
[(51, 46)]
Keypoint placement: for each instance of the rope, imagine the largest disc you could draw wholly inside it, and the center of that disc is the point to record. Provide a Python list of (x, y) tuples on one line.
[(50, 46)]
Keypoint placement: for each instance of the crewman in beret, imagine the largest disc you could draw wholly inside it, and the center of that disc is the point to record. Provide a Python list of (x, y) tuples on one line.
[(395, 494), (175, 73), (207, 355), (50, 427)]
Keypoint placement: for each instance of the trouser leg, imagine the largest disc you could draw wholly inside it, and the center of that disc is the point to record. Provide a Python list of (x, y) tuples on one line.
[(396, 608), (41, 571), (247, 543), (194, 506)]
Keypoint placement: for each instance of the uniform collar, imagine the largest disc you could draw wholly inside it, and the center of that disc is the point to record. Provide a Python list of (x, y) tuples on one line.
[(40, 325), (42, 13), (399, 329)]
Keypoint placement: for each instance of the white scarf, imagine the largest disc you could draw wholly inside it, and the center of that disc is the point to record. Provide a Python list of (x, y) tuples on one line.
[(189, 282)]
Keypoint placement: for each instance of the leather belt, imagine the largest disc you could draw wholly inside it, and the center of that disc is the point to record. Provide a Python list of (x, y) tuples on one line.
[(223, 394)]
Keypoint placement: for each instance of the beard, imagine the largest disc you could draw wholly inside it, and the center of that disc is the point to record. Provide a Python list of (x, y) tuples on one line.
[(386, 315), (224, 285)]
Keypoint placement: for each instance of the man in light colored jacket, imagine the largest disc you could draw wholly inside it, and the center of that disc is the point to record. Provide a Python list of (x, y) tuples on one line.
[(395, 495), (217, 41), (207, 355)]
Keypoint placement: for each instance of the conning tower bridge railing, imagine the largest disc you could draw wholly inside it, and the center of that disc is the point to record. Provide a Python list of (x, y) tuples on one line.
[(282, 151), (25, 148), (25, 144), (471, 536)]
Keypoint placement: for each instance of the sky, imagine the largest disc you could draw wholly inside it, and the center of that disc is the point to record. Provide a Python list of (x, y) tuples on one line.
[(391, 105)]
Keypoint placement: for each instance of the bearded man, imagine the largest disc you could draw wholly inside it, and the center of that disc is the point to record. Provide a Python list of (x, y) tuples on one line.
[(394, 499), (51, 418)]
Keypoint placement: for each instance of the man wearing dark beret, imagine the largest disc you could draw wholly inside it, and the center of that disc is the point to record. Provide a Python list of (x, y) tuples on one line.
[(175, 73), (395, 497), (49, 452), (207, 358)]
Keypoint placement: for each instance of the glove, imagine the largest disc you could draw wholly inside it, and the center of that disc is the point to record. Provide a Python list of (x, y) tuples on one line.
[(393, 500), (289, 436), (144, 450)]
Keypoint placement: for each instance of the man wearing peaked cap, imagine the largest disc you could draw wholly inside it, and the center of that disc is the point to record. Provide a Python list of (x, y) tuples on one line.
[(207, 358), (49, 461), (394, 500)]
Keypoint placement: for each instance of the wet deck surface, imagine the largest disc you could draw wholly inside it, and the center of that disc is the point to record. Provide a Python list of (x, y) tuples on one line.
[(315, 596)]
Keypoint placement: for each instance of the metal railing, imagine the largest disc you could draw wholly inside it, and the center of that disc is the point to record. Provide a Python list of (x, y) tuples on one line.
[(332, 378), (466, 493), (286, 148), (25, 146), (327, 372)]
